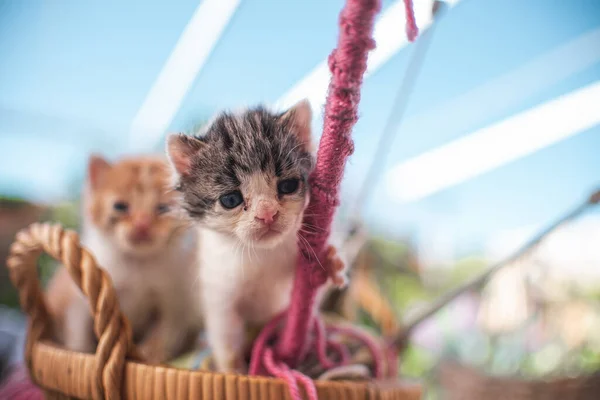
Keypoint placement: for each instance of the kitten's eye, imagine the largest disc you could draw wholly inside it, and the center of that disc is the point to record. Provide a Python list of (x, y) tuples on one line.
[(162, 208), (231, 200), (121, 206), (288, 186)]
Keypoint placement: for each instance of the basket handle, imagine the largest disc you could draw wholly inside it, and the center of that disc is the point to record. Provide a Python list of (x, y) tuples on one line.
[(110, 325)]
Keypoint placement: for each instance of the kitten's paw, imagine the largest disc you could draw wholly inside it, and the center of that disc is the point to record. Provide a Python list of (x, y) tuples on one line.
[(336, 267), (233, 365), (153, 352)]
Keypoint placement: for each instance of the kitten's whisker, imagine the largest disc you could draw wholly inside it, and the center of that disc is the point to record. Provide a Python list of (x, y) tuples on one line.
[(254, 251), (313, 251), (302, 241), (243, 263), (242, 258), (316, 228), (195, 281), (309, 247), (312, 230), (238, 246), (293, 148), (307, 231), (244, 254), (250, 253), (236, 250), (288, 164)]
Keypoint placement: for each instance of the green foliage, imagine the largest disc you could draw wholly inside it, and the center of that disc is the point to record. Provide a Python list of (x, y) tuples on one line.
[(417, 362), (389, 249), (46, 268), (589, 359), (10, 201), (465, 269), (405, 290), (67, 214), (9, 297), (517, 353)]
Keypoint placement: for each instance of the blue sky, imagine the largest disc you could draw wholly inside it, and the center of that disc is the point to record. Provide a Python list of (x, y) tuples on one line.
[(74, 74)]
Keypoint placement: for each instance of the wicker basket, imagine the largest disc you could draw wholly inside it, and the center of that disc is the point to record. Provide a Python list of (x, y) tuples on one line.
[(460, 382), (116, 371)]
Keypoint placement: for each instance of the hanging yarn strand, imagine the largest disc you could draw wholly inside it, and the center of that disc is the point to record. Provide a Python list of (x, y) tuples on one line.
[(412, 30), (348, 63)]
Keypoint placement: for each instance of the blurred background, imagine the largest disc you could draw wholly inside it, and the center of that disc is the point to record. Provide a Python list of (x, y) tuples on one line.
[(488, 130)]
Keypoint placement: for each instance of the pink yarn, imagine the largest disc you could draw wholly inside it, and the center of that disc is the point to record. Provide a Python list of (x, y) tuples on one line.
[(308, 384), (412, 30), (392, 358), (347, 63), (260, 344), (280, 370), (321, 343), (18, 386), (263, 359), (268, 333), (341, 350), (355, 333)]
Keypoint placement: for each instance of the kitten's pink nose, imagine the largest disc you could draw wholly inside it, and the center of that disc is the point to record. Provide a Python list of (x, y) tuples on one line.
[(141, 227), (266, 215)]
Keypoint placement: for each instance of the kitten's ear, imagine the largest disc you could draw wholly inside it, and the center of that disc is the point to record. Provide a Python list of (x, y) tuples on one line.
[(300, 117), (97, 167), (180, 149)]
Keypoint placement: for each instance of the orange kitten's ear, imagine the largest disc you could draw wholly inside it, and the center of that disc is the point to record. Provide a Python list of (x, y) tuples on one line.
[(300, 116), (97, 166), (181, 149)]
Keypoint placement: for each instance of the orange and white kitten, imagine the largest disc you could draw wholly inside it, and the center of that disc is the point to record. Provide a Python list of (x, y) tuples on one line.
[(148, 252)]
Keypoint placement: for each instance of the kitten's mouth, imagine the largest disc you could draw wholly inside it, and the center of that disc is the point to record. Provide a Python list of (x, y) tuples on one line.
[(140, 240), (267, 234)]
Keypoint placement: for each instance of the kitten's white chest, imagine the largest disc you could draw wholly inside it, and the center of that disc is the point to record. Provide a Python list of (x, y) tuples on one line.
[(267, 285), (164, 283), (255, 282)]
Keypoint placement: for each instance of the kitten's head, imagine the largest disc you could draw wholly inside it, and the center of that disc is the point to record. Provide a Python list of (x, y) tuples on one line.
[(129, 202), (247, 176)]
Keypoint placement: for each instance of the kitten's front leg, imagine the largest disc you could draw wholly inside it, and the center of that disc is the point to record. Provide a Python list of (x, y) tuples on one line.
[(168, 338), (154, 345), (78, 329), (225, 332)]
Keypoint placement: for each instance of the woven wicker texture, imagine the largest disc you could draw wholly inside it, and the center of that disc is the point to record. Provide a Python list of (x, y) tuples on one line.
[(110, 326), (65, 374), (69, 373)]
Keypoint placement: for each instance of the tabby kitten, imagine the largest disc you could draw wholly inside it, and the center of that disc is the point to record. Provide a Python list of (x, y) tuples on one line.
[(149, 254), (245, 183)]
